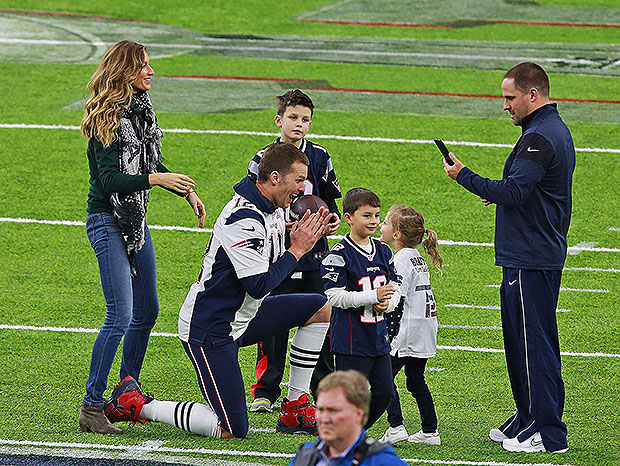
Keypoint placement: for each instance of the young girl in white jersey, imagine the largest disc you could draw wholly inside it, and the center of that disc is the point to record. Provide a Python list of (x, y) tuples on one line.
[(413, 326)]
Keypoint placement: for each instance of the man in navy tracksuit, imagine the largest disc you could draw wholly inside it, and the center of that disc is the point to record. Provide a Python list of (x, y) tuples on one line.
[(533, 214)]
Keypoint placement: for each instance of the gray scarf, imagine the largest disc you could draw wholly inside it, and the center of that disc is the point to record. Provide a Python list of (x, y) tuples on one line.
[(139, 139)]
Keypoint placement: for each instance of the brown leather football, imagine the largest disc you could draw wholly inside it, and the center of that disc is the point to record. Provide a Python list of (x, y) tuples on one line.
[(306, 202)]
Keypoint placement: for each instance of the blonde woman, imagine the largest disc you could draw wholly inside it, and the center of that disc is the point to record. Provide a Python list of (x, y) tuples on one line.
[(125, 162)]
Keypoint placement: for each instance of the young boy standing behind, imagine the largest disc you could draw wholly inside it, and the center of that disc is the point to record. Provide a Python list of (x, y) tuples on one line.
[(294, 116), (361, 283)]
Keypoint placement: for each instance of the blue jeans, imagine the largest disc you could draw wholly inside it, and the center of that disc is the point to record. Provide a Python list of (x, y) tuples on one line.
[(131, 303)]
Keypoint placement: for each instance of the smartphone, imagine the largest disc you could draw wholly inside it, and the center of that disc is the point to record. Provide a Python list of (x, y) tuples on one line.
[(444, 150)]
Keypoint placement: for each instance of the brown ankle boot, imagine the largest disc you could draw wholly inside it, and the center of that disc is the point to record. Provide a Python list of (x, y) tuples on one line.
[(92, 419)]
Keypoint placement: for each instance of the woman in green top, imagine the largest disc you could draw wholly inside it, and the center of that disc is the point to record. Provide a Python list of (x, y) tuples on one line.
[(125, 162)]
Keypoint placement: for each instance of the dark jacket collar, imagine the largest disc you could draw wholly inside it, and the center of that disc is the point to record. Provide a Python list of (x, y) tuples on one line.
[(247, 188), (539, 113)]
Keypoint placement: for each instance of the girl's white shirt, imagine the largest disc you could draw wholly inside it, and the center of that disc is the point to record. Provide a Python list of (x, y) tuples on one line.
[(417, 336)]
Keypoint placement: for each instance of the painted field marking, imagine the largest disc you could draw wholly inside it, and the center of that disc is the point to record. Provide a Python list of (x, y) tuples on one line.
[(85, 457), (468, 327), (310, 51), (492, 308), (580, 248), (310, 136), (614, 229), (580, 290), (174, 335), (207, 451), (372, 91), (490, 21), (590, 269)]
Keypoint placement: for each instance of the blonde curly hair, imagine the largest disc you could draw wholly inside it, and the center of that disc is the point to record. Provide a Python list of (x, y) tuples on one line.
[(111, 88)]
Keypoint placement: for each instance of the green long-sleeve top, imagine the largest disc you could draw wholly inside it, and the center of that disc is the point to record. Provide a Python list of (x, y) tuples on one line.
[(106, 177)]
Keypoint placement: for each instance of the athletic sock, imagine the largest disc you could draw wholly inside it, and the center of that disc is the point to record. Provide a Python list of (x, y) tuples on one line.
[(193, 417), (305, 350)]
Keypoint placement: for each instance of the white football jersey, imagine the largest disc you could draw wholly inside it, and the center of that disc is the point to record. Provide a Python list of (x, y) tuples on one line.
[(247, 238), (417, 336)]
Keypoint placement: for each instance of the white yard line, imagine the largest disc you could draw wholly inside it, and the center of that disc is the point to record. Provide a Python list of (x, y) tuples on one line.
[(579, 290), (493, 308), (310, 136), (590, 269), (470, 327), (206, 451), (174, 335), (209, 230)]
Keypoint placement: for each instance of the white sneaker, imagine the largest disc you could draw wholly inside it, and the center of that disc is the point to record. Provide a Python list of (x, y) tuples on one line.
[(428, 439), (497, 435), (531, 445), (261, 404), (395, 434)]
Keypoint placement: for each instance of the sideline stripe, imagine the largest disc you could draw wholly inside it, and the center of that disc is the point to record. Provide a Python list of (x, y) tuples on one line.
[(205, 451), (309, 135), (492, 308), (580, 290), (373, 91), (174, 335), (491, 21), (571, 249)]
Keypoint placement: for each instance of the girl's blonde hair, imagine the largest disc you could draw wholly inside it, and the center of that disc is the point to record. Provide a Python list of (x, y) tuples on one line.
[(111, 89), (410, 223)]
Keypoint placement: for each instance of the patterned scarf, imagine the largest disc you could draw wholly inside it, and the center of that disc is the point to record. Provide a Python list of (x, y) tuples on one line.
[(139, 139)]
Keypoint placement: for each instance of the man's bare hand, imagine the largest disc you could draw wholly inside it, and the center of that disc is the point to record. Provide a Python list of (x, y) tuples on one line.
[(307, 231), (453, 170)]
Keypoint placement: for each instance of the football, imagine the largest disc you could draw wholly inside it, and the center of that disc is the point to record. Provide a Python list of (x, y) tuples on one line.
[(306, 202)]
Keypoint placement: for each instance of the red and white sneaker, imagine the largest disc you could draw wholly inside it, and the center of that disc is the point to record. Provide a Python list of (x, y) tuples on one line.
[(126, 402), (297, 417)]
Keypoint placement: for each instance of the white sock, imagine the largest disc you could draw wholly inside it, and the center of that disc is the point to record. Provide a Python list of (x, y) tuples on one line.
[(193, 417), (305, 350)]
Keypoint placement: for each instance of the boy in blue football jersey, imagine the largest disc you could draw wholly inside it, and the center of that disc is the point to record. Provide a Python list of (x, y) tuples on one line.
[(361, 283), (294, 117)]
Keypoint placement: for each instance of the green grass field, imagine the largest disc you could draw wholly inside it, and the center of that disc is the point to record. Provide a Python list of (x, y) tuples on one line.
[(48, 273)]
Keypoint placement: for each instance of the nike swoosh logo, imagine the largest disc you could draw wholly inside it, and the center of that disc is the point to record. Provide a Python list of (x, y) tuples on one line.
[(248, 229), (536, 443), (512, 282), (529, 149)]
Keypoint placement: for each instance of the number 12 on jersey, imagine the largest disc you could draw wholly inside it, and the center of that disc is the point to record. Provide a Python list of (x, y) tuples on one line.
[(370, 316)]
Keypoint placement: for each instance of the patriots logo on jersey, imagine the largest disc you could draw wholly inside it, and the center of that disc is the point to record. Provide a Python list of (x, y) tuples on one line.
[(338, 247), (332, 276), (257, 244)]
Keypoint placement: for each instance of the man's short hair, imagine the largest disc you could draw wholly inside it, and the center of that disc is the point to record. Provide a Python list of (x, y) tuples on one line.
[(292, 99), (354, 385), (527, 75), (279, 157), (358, 197)]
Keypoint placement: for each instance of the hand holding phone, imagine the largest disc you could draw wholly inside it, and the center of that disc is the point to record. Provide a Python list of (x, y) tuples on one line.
[(444, 150)]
